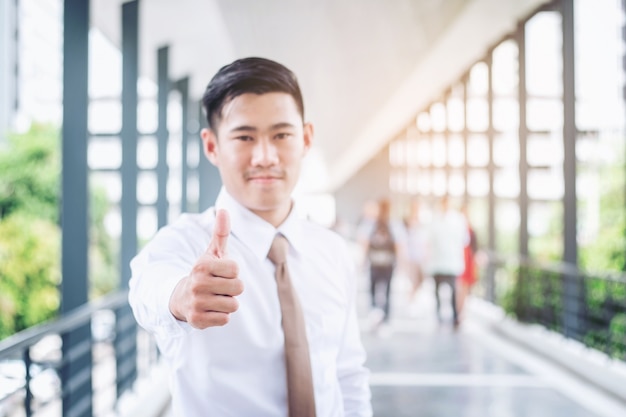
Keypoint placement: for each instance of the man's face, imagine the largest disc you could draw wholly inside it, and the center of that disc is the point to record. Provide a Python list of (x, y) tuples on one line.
[(258, 149)]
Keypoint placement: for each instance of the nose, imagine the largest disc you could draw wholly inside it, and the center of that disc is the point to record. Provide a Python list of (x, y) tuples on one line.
[(264, 153)]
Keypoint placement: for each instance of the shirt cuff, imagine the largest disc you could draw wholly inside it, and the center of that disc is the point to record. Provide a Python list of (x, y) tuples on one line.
[(169, 325)]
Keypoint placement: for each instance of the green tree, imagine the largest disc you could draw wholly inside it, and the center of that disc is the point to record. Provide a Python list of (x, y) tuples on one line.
[(30, 233), (29, 174), (607, 251), (29, 276)]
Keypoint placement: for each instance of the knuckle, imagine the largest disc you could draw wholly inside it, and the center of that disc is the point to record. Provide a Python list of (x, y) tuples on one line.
[(234, 269), (198, 269), (233, 305), (221, 319), (195, 319), (238, 287)]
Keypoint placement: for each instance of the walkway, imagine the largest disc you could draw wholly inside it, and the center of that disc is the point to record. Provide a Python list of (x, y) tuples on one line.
[(422, 368)]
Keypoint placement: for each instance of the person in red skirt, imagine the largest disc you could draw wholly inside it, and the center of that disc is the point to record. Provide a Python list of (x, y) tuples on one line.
[(468, 278)]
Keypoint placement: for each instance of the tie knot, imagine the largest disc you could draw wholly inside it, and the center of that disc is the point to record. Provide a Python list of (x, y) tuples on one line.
[(278, 251)]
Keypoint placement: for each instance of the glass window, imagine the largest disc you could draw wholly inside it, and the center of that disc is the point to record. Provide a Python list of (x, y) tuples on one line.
[(506, 183), (438, 117), (545, 229), (147, 152), (477, 150), (109, 181), (439, 150), (544, 150), (105, 116), (439, 182), (504, 74), (544, 65), (147, 223), (423, 122), (477, 114), (423, 151), (478, 83), (412, 183), (456, 114), (104, 153), (544, 114), (506, 150), (456, 184), (147, 191), (599, 73), (507, 227), (424, 183), (456, 151), (545, 184), (412, 152), (396, 150), (505, 114), (147, 116), (477, 183)]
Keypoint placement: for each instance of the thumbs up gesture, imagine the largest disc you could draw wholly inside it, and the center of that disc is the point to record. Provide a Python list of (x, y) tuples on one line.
[(206, 297)]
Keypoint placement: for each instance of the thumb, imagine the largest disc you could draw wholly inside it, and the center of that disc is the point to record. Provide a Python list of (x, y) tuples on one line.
[(221, 230)]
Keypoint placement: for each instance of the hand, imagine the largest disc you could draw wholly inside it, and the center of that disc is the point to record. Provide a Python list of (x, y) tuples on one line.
[(206, 297)]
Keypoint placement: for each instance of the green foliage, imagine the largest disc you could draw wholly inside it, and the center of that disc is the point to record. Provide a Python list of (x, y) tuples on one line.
[(607, 252), (30, 233), (103, 261), (29, 276), (29, 174)]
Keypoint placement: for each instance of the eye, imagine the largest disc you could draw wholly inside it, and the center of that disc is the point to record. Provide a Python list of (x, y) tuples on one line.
[(244, 138), (283, 135)]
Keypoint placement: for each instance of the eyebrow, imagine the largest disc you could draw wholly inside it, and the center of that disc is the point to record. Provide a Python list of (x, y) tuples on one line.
[(277, 126)]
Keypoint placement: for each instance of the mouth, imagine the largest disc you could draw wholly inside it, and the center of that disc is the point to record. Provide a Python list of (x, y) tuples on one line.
[(264, 179)]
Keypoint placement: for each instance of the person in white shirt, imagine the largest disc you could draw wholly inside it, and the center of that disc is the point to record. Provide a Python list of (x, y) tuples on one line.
[(206, 289), (448, 237)]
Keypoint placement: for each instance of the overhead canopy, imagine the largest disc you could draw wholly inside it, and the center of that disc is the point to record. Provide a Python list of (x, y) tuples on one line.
[(365, 66)]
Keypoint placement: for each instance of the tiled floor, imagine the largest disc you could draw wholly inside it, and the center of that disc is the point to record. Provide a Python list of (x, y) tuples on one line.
[(423, 368)]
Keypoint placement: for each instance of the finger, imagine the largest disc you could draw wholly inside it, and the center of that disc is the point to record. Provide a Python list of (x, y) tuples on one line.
[(204, 319), (208, 266), (227, 286), (221, 230)]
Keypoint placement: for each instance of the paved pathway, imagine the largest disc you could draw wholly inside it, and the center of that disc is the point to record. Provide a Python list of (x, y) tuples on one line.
[(423, 368)]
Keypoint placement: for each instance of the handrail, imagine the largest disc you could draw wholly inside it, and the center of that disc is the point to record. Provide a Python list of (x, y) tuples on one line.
[(579, 304), (557, 267), (81, 353), (79, 316)]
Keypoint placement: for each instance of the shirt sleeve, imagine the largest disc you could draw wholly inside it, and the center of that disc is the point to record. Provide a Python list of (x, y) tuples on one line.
[(156, 271), (352, 374)]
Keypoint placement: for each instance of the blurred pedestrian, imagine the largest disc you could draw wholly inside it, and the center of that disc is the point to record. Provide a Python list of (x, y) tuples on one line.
[(468, 278), (416, 247), (382, 247), (448, 236)]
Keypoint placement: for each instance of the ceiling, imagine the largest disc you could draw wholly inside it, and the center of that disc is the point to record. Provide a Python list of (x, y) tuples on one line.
[(355, 59)]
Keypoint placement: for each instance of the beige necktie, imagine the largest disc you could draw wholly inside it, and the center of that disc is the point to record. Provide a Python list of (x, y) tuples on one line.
[(297, 360)]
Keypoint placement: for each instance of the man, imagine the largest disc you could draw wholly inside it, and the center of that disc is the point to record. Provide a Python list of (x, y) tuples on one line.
[(448, 236), (205, 287)]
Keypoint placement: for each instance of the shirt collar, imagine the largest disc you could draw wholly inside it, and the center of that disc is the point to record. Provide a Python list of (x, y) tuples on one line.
[(254, 232)]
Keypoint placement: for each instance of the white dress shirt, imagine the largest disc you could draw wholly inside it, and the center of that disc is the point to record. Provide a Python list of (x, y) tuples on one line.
[(448, 237), (239, 369)]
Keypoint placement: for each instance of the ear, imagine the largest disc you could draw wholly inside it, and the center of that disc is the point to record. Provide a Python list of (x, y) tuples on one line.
[(209, 145), (308, 134)]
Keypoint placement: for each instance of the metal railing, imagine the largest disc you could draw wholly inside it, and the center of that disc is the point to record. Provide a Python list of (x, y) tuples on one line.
[(35, 374), (587, 307)]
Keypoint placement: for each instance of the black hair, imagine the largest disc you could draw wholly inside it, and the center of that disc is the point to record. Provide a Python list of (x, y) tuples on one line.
[(248, 75)]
